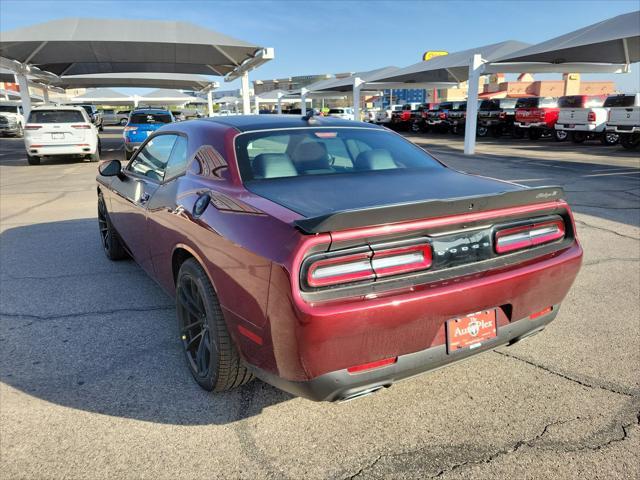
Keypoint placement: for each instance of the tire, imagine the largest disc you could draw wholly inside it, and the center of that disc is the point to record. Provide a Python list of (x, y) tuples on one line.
[(535, 133), (211, 355), (33, 160), (101, 128), (610, 138), (560, 135), (20, 132), (578, 137), (482, 131), (123, 122), (95, 157), (629, 141), (415, 127), (111, 243)]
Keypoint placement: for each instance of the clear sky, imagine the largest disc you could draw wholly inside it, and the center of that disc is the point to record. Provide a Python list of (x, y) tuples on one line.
[(313, 37)]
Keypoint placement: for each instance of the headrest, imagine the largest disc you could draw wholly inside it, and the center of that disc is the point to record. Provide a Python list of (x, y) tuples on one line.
[(273, 165), (311, 156), (376, 159)]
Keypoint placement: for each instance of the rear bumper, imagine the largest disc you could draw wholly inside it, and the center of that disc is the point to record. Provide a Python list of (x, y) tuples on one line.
[(588, 128), (53, 150), (342, 385), (532, 125), (623, 128)]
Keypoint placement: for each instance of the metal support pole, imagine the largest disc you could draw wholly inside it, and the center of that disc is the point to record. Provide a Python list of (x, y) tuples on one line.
[(246, 94), (25, 97), (476, 68), (256, 104), (136, 100), (45, 94), (357, 86), (210, 102), (303, 100), (279, 104)]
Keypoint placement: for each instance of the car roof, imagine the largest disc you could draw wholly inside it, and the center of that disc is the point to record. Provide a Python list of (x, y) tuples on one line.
[(150, 110), (246, 123), (58, 107)]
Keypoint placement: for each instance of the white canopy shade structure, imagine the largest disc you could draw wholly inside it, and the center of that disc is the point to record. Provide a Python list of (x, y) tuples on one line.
[(138, 80), (12, 96), (104, 96), (166, 97), (84, 46), (272, 96)]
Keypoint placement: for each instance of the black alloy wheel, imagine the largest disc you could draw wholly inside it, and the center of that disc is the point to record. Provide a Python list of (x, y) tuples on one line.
[(109, 238), (211, 355), (482, 131), (560, 135), (610, 138)]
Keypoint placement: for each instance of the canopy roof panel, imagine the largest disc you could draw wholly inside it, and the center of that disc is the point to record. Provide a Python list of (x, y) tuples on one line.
[(345, 84), (102, 95), (273, 95), (168, 94), (452, 68), (602, 42), (78, 46), (136, 79)]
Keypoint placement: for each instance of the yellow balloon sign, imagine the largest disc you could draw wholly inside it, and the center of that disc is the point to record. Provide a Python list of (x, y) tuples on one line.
[(433, 53)]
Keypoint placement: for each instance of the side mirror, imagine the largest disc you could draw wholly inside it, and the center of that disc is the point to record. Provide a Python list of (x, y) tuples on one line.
[(110, 168)]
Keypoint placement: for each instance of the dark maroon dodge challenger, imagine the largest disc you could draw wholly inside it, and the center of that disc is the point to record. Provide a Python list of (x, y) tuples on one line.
[(332, 258)]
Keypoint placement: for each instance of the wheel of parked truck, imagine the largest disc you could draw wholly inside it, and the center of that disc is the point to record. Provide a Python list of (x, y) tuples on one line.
[(578, 137), (629, 141), (211, 354), (610, 138), (33, 160), (415, 127), (95, 157), (482, 131), (518, 132), (123, 121), (560, 135), (111, 243), (20, 131), (535, 133)]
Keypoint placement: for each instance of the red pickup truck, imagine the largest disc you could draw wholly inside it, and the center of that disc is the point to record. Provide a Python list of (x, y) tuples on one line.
[(538, 116)]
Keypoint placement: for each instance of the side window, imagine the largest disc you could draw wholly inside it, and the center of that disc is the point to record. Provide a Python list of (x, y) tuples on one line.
[(152, 159), (177, 163)]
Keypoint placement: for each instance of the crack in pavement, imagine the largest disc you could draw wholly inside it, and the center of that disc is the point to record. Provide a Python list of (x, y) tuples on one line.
[(29, 209), (85, 314), (588, 225), (583, 383)]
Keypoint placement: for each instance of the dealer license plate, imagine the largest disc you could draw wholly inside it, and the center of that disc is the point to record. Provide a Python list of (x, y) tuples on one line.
[(57, 136), (471, 331)]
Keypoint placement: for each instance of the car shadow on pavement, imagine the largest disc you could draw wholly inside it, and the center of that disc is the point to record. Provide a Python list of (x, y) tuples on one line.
[(80, 331)]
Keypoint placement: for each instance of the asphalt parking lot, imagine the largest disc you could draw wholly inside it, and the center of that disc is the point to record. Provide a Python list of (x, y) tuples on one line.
[(94, 385)]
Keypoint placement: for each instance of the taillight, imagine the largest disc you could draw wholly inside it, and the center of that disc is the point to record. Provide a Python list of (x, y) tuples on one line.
[(130, 129), (32, 127), (502, 115), (83, 126), (526, 236), (401, 260), (591, 117), (442, 116), (383, 261), (331, 271)]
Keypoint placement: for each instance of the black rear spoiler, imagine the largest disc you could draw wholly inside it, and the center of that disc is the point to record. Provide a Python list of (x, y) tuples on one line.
[(427, 209)]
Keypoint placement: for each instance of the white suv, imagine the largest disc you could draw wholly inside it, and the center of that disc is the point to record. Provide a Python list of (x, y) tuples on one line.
[(11, 119), (60, 131)]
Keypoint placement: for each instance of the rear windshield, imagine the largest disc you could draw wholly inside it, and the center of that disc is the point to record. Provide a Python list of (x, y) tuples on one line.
[(573, 101), (88, 108), (620, 101), (445, 106), (325, 151), (336, 110), (145, 118), (8, 109), (527, 103), (55, 116), (460, 106)]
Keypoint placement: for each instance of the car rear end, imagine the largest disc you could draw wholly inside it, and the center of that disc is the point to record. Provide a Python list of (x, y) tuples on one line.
[(385, 281), (141, 124), (581, 113), (624, 118), (52, 131)]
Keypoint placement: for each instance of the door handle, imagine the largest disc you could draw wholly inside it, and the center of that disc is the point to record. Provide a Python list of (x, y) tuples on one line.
[(144, 198)]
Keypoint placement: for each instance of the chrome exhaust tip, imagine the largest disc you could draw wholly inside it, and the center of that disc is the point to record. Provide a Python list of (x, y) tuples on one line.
[(361, 393)]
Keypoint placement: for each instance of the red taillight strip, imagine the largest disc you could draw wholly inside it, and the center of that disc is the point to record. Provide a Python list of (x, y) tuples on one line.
[(32, 127), (370, 366), (83, 126), (517, 238), (541, 313)]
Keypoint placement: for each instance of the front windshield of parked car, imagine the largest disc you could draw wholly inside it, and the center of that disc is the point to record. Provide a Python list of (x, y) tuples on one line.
[(150, 118), (56, 116), (326, 151), (7, 109)]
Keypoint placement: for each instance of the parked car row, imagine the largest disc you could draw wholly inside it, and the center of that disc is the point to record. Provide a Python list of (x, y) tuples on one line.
[(11, 119), (576, 117)]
